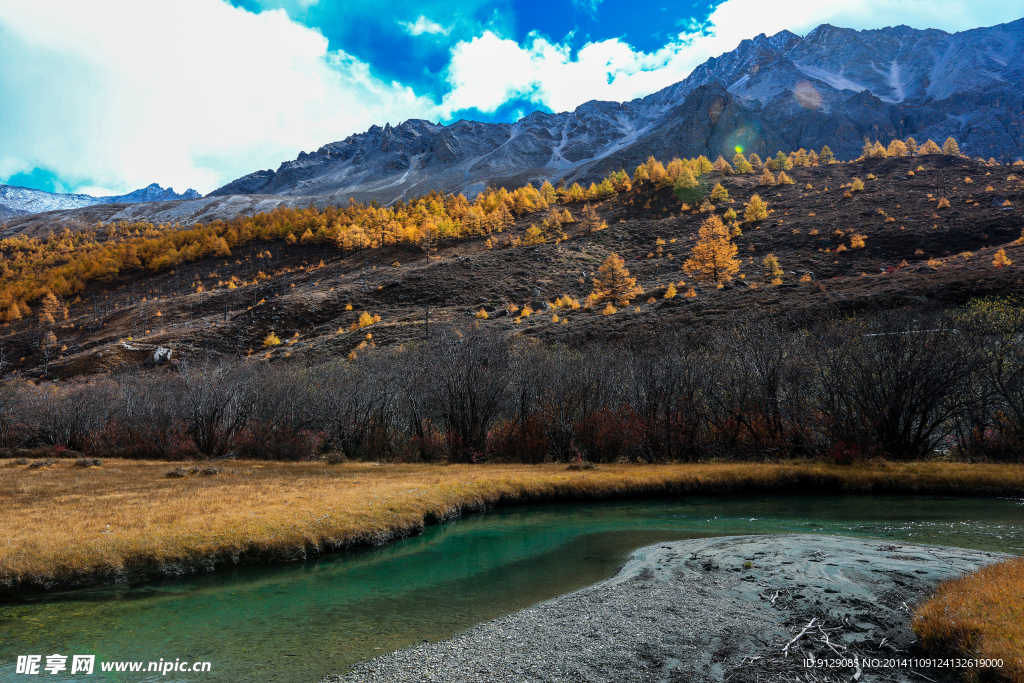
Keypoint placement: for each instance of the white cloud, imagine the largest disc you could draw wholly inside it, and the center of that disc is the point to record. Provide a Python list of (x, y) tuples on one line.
[(487, 71), (116, 94), (424, 25), (194, 93)]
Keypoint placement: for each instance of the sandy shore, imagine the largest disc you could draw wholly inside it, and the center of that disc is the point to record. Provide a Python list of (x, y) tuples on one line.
[(712, 609)]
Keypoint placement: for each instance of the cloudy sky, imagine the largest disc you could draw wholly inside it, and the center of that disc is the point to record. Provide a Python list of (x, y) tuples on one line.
[(106, 96)]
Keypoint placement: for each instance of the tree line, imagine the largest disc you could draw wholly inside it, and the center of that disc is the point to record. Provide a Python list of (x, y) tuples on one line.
[(895, 385)]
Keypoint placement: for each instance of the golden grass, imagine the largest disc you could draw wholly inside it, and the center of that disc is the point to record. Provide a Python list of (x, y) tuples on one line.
[(66, 526), (980, 615)]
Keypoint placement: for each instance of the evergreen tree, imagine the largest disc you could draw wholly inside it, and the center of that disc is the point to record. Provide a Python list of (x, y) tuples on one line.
[(825, 156), (772, 270), (950, 147), (613, 283), (756, 209), (713, 258), (592, 220), (897, 148), (741, 164)]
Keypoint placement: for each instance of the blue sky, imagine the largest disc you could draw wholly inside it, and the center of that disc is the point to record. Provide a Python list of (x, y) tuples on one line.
[(108, 96)]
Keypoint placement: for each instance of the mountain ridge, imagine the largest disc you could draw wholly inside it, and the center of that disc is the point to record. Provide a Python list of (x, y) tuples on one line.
[(833, 86), (19, 201)]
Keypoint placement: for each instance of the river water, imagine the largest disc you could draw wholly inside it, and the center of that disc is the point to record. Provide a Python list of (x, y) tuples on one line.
[(291, 623)]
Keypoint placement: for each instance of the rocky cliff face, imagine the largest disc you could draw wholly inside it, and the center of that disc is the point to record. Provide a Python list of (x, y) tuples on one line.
[(834, 86)]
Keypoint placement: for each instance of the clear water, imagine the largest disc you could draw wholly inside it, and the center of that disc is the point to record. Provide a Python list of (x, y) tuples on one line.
[(293, 623)]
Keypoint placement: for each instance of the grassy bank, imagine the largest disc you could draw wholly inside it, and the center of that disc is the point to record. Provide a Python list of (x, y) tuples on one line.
[(980, 615), (64, 526)]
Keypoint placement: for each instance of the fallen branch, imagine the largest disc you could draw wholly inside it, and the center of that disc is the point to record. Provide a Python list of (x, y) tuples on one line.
[(798, 636)]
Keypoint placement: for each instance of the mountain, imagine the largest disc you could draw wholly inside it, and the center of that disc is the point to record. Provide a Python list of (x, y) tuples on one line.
[(18, 201), (834, 86)]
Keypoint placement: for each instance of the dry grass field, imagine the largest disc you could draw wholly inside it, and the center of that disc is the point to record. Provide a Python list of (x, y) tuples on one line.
[(63, 525), (980, 615)]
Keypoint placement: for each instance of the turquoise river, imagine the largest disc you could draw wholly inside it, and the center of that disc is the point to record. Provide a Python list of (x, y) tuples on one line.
[(294, 623)]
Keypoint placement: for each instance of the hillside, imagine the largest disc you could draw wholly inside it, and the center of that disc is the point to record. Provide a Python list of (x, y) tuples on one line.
[(310, 295)]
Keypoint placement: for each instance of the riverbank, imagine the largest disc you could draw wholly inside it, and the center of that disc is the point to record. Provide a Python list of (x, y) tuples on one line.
[(65, 526), (741, 608)]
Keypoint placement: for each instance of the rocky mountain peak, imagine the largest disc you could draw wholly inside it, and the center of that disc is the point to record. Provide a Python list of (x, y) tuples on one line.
[(833, 86)]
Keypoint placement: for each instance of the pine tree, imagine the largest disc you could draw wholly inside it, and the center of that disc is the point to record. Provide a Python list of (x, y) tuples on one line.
[(772, 271), (825, 156), (911, 145), (1000, 259), (865, 151), (670, 291), (950, 147), (741, 164), (756, 209), (592, 220), (930, 148), (719, 193), (713, 258), (533, 236), (613, 283), (271, 340), (784, 179), (755, 161), (897, 149), (13, 313), (52, 310), (767, 177)]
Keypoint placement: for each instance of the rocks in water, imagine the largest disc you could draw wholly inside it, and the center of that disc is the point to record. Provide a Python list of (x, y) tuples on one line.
[(159, 356)]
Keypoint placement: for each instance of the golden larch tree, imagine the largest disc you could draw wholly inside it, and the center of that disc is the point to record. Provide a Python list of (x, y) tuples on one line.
[(613, 282), (772, 269), (756, 209), (713, 258), (52, 310)]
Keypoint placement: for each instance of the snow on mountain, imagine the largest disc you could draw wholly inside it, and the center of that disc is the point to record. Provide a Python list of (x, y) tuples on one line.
[(17, 201), (834, 86)]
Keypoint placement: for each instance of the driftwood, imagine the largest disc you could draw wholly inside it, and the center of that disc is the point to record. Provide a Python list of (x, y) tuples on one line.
[(800, 635)]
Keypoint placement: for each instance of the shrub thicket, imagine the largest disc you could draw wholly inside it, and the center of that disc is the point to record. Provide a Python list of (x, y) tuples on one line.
[(896, 386)]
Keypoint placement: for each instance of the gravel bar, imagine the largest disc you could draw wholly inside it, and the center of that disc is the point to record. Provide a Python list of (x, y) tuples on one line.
[(709, 609)]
